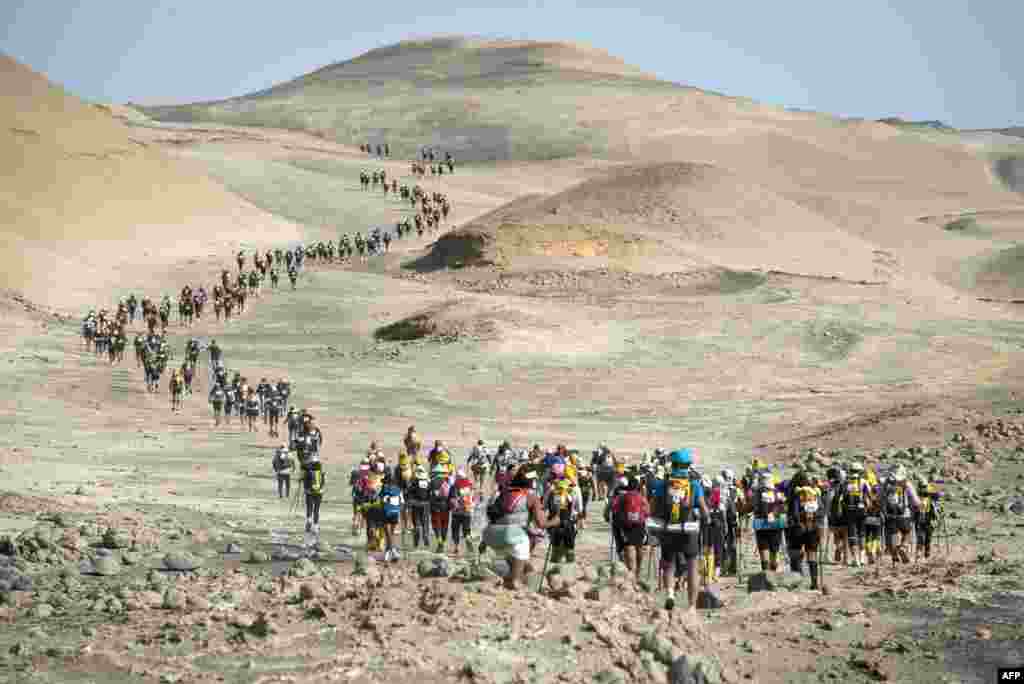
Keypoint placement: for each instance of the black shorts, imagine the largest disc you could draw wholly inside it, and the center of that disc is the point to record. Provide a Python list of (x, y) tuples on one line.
[(680, 543), (630, 536), (768, 540), (894, 525), (804, 538)]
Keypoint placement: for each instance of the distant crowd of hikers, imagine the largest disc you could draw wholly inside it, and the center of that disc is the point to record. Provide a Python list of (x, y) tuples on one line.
[(106, 333), (510, 499)]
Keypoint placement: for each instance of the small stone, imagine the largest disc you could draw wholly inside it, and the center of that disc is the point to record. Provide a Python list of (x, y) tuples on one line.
[(257, 557), (307, 592), (181, 561), (173, 600), (107, 566), (198, 603), (691, 669), (594, 594), (660, 647), (303, 568), (983, 633), (233, 548), (42, 610)]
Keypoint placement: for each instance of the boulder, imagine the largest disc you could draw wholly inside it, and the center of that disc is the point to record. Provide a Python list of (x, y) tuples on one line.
[(307, 591), (303, 568), (42, 611), (691, 669), (438, 567), (257, 557), (108, 565), (658, 646), (173, 600), (181, 561)]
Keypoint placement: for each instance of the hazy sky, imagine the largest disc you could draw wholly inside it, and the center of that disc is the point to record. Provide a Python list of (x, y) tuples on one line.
[(953, 60)]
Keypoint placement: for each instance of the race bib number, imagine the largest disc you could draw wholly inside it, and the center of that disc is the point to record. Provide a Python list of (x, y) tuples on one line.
[(423, 484), (394, 501), (768, 497), (691, 527), (633, 516), (853, 489), (811, 507), (677, 527)]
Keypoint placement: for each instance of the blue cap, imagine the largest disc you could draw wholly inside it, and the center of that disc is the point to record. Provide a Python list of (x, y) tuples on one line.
[(682, 457)]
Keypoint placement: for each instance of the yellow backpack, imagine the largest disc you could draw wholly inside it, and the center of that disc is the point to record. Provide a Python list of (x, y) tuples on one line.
[(680, 500)]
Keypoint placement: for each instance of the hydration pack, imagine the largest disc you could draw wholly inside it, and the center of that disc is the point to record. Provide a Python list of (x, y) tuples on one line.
[(633, 511), (439, 489), (391, 498)]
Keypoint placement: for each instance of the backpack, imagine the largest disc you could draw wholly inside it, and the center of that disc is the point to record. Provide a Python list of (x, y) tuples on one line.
[(633, 509), (464, 500), (836, 509), (853, 497), (391, 497), (439, 495), (896, 505), (316, 482), (678, 501)]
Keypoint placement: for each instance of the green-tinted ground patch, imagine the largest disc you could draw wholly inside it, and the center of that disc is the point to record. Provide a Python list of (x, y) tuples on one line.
[(831, 340), (734, 282), (520, 117), (322, 195), (999, 273)]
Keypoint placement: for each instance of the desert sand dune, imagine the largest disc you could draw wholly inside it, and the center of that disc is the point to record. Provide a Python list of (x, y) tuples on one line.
[(79, 198)]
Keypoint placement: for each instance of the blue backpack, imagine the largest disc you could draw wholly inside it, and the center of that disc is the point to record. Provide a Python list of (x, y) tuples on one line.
[(391, 498)]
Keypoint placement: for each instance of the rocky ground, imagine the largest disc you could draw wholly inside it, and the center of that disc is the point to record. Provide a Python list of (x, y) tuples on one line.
[(165, 594)]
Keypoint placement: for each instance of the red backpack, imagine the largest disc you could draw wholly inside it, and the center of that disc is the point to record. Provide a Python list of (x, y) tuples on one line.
[(633, 509)]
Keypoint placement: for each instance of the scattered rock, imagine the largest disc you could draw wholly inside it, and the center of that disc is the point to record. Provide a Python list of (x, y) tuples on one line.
[(307, 591), (595, 593), (173, 600), (303, 568), (107, 566), (610, 677), (691, 669), (660, 647), (257, 557), (233, 548), (198, 603), (181, 561), (983, 633), (438, 567), (42, 610)]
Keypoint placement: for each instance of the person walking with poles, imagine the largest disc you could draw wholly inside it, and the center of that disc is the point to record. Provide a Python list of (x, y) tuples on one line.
[(681, 511), (284, 464)]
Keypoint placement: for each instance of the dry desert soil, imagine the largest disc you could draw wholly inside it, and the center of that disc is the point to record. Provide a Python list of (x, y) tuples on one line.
[(628, 261)]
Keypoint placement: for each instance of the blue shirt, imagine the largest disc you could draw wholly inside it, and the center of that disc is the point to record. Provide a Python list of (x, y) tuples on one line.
[(657, 491)]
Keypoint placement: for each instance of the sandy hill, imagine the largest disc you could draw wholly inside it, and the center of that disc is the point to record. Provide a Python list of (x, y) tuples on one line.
[(652, 217), (483, 99), (711, 179), (79, 198)]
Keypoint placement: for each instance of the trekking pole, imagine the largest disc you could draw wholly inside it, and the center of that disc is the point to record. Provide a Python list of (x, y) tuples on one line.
[(544, 572)]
